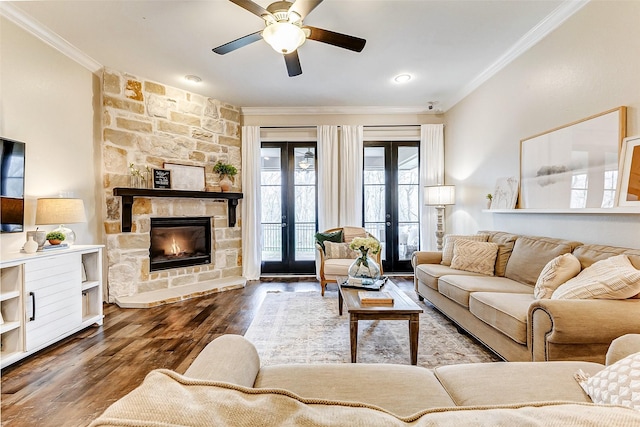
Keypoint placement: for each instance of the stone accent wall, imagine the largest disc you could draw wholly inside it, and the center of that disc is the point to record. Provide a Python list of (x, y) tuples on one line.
[(147, 124)]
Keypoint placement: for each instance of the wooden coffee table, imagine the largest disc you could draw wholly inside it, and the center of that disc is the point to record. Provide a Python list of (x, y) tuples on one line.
[(403, 308)]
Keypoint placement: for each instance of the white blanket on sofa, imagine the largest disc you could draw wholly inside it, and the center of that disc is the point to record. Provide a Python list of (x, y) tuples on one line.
[(166, 398)]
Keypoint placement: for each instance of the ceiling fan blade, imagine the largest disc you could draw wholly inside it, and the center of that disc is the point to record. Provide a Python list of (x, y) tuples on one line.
[(304, 7), (336, 39), (238, 43), (293, 64), (252, 7)]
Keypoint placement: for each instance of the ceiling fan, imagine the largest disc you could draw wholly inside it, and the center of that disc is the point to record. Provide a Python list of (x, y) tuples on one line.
[(285, 32)]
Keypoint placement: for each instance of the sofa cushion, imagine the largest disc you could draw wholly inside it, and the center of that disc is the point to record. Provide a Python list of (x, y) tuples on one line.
[(476, 257), (336, 267), (611, 278), (505, 312), (555, 273), (334, 236), (530, 255), (588, 254), (513, 382), (618, 384), (383, 385), (338, 251), (505, 242), (430, 273), (459, 287), (449, 241)]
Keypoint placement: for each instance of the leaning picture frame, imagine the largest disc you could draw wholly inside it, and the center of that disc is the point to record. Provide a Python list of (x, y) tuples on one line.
[(186, 177), (629, 173)]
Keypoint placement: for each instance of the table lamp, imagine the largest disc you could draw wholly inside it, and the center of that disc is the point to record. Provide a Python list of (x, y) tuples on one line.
[(439, 196), (61, 211)]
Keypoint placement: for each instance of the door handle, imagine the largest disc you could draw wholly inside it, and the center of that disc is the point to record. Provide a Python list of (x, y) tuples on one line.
[(32, 295), (388, 224), (283, 225)]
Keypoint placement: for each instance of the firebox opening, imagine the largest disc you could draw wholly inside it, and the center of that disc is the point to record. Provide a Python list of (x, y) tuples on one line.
[(179, 242)]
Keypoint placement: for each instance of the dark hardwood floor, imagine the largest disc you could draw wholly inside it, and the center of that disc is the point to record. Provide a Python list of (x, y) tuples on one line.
[(73, 381)]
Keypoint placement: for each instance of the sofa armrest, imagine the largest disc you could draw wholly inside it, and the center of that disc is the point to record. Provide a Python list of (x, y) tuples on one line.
[(622, 347), (228, 358), (319, 262), (586, 326), (425, 257)]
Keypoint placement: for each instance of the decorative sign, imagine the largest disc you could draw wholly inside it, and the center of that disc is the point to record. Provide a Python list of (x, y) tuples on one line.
[(161, 178)]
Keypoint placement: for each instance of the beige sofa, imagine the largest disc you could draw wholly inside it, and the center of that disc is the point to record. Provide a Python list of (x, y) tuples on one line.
[(225, 385), (502, 312)]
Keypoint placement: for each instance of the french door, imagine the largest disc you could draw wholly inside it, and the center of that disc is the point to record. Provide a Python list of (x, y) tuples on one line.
[(391, 200), (289, 208)]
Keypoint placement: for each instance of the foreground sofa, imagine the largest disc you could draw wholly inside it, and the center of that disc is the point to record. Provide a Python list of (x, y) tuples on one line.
[(226, 386), (501, 311)]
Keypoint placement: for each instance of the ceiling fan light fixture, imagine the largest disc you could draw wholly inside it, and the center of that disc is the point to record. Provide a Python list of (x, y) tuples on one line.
[(284, 37)]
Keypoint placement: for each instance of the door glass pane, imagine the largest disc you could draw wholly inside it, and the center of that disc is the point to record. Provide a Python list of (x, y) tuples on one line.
[(374, 193), (408, 201), (305, 202), (271, 194)]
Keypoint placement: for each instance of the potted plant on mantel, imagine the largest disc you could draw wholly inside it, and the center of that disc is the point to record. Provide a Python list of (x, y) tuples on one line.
[(226, 172)]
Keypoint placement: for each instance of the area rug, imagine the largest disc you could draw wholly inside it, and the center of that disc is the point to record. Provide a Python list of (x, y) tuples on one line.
[(304, 327)]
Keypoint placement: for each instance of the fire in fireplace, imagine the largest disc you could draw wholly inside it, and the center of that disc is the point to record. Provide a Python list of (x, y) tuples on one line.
[(180, 242)]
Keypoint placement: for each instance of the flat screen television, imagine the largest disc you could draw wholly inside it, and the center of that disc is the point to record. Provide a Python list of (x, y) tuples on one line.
[(12, 162)]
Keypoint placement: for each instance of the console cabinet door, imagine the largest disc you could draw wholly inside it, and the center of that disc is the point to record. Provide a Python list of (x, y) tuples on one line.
[(53, 298)]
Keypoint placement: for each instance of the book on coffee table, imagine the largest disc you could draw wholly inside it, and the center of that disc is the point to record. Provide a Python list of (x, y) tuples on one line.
[(375, 298)]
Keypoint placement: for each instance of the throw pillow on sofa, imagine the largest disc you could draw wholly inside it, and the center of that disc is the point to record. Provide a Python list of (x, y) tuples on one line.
[(450, 240), (476, 257), (338, 251), (555, 273), (617, 384), (611, 278)]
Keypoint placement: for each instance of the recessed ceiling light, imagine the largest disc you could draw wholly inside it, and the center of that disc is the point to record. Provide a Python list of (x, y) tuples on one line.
[(402, 78), (193, 79)]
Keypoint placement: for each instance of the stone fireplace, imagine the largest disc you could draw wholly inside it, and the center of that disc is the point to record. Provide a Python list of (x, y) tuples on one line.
[(179, 242), (145, 125)]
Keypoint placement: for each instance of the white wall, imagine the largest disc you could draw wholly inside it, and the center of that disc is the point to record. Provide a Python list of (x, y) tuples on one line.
[(587, 66), (48, 103)]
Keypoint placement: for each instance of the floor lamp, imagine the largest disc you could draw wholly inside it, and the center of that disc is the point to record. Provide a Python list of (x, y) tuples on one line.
[(439, 196)]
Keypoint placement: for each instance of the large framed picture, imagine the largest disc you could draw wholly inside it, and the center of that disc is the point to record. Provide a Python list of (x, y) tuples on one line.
[(629, 174), (185, 177), (573, 166)]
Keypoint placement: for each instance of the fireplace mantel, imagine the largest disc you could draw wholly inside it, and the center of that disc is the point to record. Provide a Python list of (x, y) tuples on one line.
[(128, 194)]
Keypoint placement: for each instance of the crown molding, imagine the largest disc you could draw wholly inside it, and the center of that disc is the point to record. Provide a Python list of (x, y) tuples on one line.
[(302, 111), (531, 38), (31, 25)]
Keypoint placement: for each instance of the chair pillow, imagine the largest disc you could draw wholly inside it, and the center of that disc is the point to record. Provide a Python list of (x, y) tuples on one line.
[(449, 241), (611, 278), (555, 273), (617, 384), (338, 251), (334, 236), (476, 257)]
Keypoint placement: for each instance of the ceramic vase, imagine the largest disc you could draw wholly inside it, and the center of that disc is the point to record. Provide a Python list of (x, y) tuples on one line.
[(225, 183), (31, 246)]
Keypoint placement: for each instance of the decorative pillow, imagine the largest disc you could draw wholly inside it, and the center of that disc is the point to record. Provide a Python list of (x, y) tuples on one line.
[(477, 257), (450, 239), (611, 278), (617, 384), (338, 250), (335, 236), (555, 273)]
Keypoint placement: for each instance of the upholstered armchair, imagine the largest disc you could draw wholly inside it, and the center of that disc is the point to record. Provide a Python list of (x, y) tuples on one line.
[(334, 263)]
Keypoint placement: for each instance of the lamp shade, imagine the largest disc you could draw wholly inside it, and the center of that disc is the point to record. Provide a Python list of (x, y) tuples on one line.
[(60, 211), (439, 195)]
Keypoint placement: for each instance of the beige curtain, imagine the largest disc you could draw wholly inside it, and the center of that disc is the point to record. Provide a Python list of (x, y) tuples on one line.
[(328, 178), (351, 167), (431, 173), (251, 214)]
